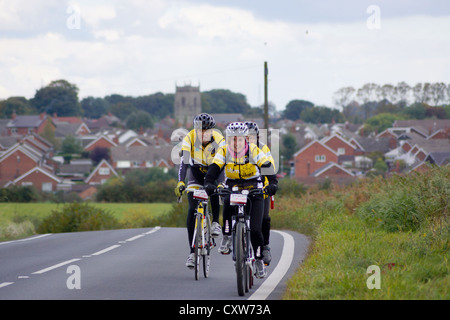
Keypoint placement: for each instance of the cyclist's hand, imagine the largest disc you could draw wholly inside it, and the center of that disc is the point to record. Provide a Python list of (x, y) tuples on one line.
[(180, 188), (210, 188), (220, 187), (272, 189)]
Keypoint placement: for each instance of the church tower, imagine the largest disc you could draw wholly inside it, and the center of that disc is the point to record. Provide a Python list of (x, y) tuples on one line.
[(188, 103)]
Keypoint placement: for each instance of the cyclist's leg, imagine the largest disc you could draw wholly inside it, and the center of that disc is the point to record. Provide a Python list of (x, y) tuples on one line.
[(256, 235), (266, 221), (256, 217), (215, 207), (226, 228)]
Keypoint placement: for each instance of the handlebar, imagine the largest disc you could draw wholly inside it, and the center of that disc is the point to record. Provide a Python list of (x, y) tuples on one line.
[(224, 191)]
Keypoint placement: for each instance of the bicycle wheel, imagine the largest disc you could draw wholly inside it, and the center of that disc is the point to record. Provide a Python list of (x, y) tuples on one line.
[(197, 245), (207, 246), (241, 255)]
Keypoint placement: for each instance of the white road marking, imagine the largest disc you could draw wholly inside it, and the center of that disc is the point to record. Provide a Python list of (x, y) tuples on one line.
[(26, 239), (135, 237), (55, 266), (4, 284), (287, 255), (105, 250), (153, 230)]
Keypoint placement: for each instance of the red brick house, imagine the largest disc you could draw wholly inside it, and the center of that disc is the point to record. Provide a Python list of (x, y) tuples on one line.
[(101, 173), (39, 178), (339, 145), (16, 161), (312, 157), (102, 141), (23, 125)]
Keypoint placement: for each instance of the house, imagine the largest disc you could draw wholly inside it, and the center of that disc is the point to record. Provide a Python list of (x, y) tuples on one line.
[(339, 145), (18, 160), (313, 157), (39, 178), (74, 128), (141, 157), (24, 125), (101, 141), (102, 172)]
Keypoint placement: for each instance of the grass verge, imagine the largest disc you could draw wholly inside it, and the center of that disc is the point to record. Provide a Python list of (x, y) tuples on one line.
[(400, 225)]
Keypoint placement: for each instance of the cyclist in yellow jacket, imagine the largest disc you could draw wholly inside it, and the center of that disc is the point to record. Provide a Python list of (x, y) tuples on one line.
[(242, 162), (198, 149), (254, 137)]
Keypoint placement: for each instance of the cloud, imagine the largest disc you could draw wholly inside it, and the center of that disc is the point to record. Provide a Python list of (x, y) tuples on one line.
[(141, 47)]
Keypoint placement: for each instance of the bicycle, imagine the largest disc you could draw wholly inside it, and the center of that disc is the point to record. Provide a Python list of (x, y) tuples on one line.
[(202, 241), (243, 254)]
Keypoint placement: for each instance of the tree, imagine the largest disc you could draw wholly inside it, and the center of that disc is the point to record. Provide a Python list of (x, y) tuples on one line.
[(321, 115), (98, 154), (19, 105), (71, 145), (295, 107), (94, 108), (138, 120), (344, 96), (224, 101), (123, 109), (289, 146), (59, 97), (380, 122)]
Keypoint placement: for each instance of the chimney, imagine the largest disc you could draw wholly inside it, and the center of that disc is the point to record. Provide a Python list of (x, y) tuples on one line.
[(13, 116), (41, 116)]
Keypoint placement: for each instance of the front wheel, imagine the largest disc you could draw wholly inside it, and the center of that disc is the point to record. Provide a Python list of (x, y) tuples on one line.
[(198, 245), (241, 255), (207, 247)]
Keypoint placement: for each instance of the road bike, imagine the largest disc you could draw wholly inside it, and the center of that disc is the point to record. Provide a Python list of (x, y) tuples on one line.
[(243, 254), (202, 241)]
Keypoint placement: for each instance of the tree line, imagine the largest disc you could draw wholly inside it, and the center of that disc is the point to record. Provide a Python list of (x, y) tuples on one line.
[(60, 97)]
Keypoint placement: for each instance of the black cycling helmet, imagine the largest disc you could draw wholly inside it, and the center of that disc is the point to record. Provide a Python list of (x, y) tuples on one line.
[(252, 127), (204, 121)]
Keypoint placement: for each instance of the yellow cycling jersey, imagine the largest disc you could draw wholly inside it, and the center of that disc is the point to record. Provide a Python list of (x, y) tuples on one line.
[(266, 150), (245, 167), (202, 156)]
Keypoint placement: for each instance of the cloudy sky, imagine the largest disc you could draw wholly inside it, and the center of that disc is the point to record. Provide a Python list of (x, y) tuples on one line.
[(140, 47)]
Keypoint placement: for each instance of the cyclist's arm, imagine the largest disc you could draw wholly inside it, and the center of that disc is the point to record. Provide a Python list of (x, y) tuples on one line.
[(270, 172), (213, 173), (184, 165)]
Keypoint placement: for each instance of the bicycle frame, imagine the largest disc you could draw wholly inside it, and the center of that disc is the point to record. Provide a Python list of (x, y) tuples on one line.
[(244, 261), (202, 241)]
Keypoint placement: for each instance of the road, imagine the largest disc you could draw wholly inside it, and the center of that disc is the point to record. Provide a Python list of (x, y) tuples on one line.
[(133, 264)]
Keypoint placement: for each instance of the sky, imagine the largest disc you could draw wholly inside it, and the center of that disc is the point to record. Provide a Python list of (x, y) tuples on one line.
[(140, 47)]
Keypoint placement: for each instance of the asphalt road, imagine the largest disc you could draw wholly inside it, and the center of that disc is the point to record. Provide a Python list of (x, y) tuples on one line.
[(133, 264)]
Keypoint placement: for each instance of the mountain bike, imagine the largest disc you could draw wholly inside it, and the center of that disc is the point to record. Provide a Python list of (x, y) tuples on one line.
[(243, 254), (202, 241)]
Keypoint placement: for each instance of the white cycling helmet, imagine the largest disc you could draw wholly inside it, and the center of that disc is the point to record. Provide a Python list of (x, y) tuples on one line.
[(236, 129)]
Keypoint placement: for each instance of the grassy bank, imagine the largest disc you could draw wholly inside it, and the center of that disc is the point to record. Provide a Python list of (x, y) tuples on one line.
[(18, 220), (399, 224)]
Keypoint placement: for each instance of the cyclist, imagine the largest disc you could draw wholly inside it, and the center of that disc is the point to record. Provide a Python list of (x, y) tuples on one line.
[(253, 137), (242, 163), (198, 149)]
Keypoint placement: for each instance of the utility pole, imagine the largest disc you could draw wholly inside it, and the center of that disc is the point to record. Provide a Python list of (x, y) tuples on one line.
[(266, 102)]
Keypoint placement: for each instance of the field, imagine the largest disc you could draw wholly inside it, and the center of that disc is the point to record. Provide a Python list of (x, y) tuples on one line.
[(20, 219)]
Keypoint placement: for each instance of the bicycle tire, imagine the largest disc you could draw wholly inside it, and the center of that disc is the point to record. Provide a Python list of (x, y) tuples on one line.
[(207, 251), (197, 244), (241, 256)]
